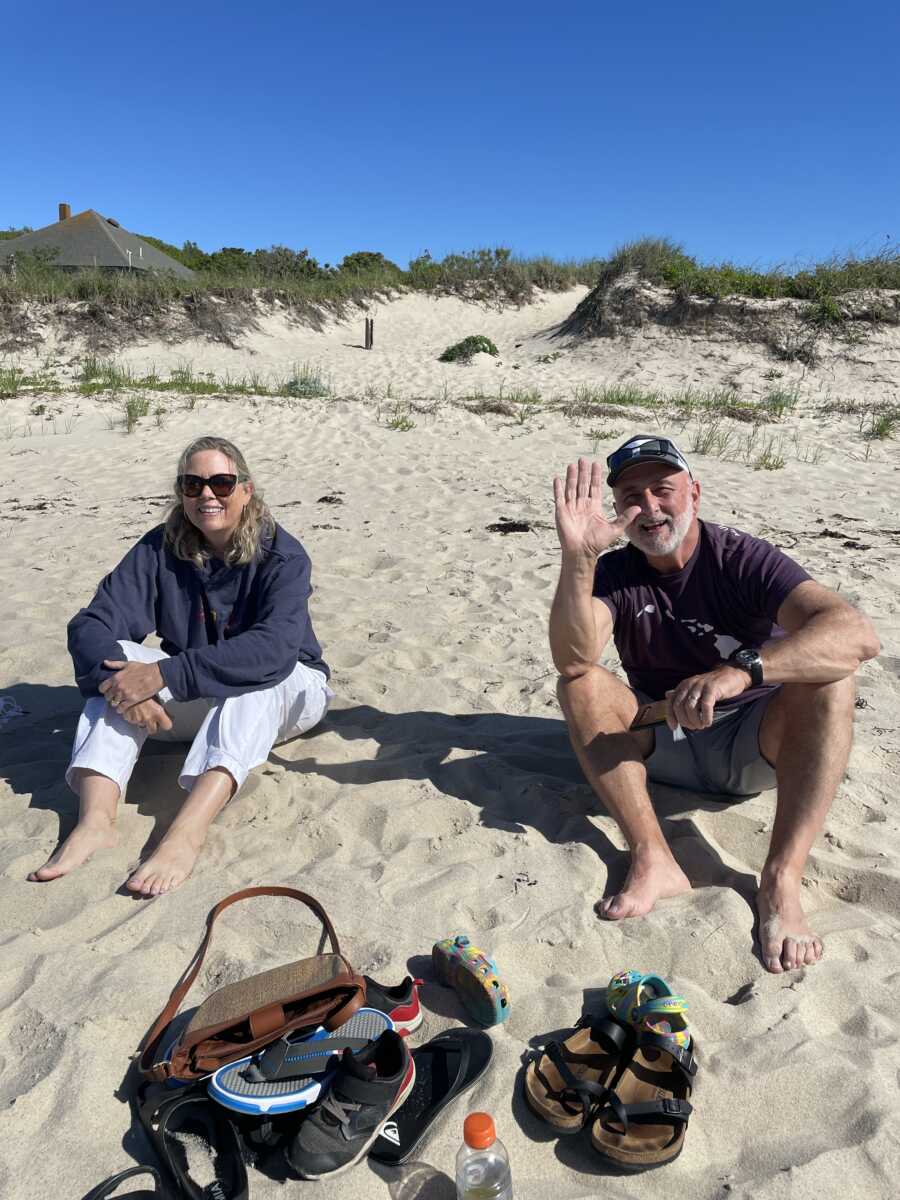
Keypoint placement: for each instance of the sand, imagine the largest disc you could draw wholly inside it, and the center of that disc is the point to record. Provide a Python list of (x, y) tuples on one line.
[(440, 793)]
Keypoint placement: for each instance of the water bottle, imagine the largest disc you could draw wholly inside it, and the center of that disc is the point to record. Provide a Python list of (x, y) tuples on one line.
[(482, 1164)]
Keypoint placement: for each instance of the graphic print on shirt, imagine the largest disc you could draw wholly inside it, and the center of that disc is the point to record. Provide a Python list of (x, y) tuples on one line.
[(723, 642)]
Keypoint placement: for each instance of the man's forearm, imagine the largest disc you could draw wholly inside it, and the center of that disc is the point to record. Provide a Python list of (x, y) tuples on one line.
[(831, 645), (573, 627)]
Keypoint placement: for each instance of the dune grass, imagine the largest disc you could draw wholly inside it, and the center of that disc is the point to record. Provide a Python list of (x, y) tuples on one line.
[(14, 381), (298, 281), (99, 375), (663, 261), (494, 274)]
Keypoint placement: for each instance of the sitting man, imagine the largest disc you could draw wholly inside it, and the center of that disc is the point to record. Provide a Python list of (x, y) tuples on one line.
[(711, 619)]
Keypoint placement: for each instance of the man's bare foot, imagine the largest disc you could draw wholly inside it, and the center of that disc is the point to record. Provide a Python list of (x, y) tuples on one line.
[(169, 865), (654, 875), (785, 938), (78, 847)]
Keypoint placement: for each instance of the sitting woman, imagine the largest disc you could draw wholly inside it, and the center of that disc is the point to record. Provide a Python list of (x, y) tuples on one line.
[(226, 590)]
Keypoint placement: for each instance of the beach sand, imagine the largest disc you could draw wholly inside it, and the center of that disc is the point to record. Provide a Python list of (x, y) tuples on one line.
[(440, 794)]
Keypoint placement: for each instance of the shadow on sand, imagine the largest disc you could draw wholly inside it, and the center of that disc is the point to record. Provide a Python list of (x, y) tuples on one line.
[(521, 772)]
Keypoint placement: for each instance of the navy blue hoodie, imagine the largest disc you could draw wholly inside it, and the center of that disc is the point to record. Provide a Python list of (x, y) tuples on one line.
[(228, 629)]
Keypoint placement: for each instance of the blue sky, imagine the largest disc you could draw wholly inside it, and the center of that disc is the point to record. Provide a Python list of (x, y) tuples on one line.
[(758, 133)]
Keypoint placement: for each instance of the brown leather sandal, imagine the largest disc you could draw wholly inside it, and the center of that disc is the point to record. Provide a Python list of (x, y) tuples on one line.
[(565, 1083), (643, 1123)]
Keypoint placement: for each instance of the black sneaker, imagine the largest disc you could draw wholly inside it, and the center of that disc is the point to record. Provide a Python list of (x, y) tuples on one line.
[(401, 1003), (367, 1089)]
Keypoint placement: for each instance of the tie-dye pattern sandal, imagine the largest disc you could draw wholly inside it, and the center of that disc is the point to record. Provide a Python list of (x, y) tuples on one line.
[(647, 1003), (473, 976)]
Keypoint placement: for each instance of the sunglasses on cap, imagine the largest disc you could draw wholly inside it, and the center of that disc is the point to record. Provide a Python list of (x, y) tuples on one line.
[(220, 485), (644, 449)]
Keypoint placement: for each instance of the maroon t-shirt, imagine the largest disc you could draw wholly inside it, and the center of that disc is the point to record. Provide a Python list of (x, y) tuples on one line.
[(667, 627)]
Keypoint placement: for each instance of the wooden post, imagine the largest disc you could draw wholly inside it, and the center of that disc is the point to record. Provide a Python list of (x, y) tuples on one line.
[(370, 332)]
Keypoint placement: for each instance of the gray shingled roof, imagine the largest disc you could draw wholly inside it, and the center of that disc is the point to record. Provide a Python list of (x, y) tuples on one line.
[(89, 240)]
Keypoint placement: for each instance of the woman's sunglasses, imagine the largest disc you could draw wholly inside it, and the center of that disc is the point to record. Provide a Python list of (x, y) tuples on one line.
[(192, 485)]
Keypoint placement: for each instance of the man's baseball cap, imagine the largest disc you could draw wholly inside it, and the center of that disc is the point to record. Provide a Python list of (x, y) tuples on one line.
[(643, 448)]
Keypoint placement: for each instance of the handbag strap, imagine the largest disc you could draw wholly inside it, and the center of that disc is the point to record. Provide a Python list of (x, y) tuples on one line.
[(183, 985)]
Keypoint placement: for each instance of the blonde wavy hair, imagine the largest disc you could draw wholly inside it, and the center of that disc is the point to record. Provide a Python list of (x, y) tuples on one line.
[(187, 542)]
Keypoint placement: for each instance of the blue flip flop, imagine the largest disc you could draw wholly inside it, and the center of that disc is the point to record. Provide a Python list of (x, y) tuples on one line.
[(289, 1075)]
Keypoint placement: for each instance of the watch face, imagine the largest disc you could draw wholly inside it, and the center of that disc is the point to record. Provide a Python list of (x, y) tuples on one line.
[(750, 661)]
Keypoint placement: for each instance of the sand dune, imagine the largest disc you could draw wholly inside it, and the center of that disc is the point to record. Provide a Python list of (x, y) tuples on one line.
[(440, 793)]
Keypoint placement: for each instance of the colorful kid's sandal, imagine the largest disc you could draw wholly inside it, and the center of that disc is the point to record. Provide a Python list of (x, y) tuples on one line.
[(473, 976), (646, 1002), (565, 1082)]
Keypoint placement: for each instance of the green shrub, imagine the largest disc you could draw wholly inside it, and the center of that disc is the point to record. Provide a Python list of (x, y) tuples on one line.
[(367, 262), (465, 350)]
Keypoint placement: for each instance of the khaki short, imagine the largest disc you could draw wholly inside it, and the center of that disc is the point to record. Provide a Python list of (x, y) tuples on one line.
[(723, 760)]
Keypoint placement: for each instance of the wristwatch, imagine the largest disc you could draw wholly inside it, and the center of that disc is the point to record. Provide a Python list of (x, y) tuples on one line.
[(749, 661)]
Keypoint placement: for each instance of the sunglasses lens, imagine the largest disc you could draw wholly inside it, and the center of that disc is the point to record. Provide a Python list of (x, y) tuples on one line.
[(190, 485), (220, 485), (651, 446)]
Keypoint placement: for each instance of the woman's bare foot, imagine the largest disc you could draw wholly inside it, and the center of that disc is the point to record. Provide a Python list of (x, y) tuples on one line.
[(169, 865), (654, 875), (785, 937), (78, 847)]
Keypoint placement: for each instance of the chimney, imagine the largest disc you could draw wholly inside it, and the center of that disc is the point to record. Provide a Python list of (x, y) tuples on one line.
[(65, 212)]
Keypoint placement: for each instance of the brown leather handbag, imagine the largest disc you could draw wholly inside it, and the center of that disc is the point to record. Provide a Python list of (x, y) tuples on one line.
[(243, 1017)]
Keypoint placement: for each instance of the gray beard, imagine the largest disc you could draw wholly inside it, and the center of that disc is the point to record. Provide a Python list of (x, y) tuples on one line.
[(658, 546)]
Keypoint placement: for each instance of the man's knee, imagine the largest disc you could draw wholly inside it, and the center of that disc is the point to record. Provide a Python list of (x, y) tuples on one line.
[(594, 685), (825, 707), (596, 699), (822, 700)]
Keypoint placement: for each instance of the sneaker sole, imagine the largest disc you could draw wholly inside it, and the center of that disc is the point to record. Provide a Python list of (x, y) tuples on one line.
[(401, 1098), (405, 1025)]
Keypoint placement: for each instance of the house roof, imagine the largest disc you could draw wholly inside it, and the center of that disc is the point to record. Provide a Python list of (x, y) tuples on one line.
[(90, 240)]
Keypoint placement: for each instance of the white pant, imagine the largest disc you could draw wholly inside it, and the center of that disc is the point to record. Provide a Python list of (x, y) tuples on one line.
[(236, 733)]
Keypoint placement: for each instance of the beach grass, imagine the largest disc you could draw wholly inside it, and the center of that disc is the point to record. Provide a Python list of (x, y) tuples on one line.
[(98, 375), (300, 282), (663, 261), (882, 424)]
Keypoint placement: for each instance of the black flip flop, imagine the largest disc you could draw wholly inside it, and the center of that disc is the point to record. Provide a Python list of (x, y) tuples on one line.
[(190, 1111), (103, 1190), (446, 1067)]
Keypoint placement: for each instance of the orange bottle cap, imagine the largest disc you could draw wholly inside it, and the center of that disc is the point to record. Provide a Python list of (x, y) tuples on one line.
[(479, 1131)]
